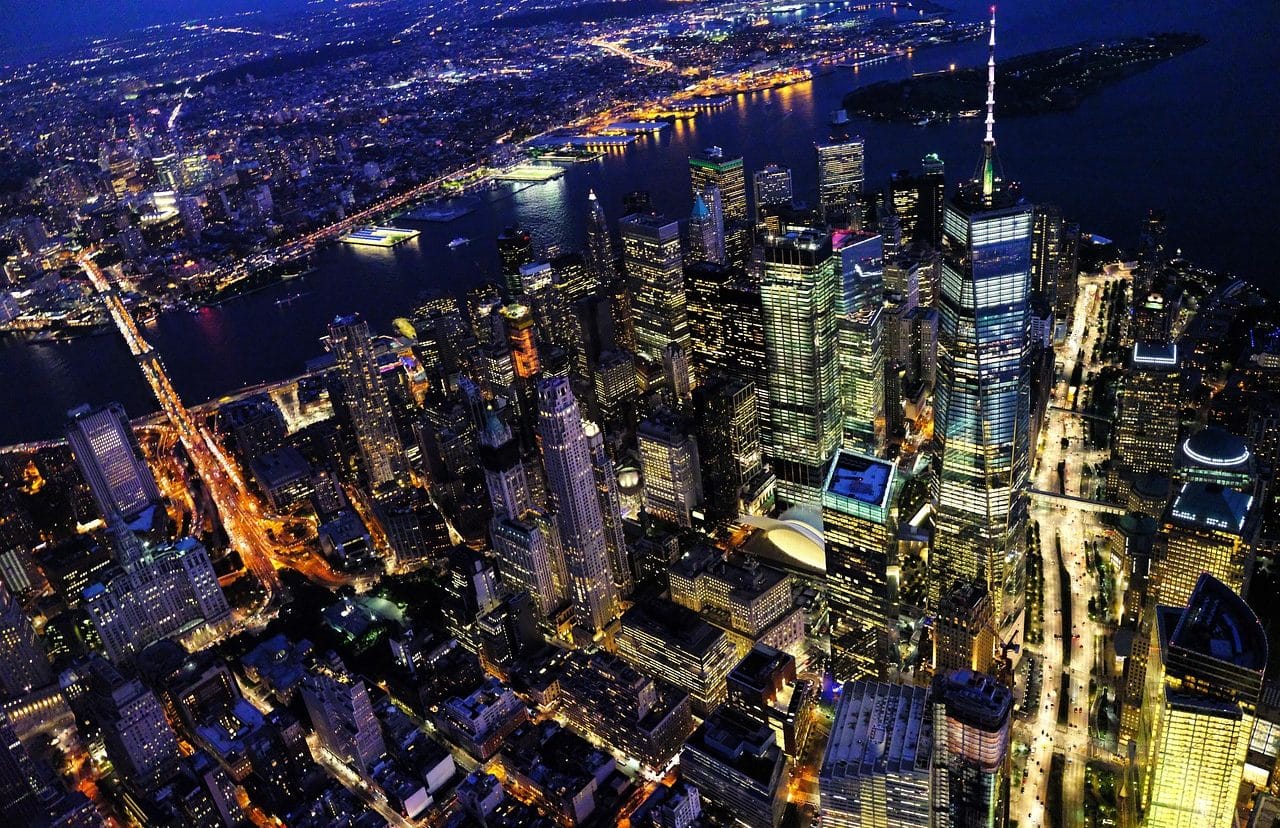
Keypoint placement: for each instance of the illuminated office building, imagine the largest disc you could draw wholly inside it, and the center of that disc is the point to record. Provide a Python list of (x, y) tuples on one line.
[(342, 715), (706, 227), (1215, 455), (522, 339), (904, 202), (1206, 667), (671, 472), (616, 389), (651, 257), (504, 473), (982, 415), (705, 284), (670, 642), (728, 431), (111, 461), (772, 186), (963, 631), (841, 174), (802, 431), (714, 169), (1047, 241), (876, 767), (515, 249), (366, 397), (862, 565), (24, 666), (933, 200), (971, 756), (737, 763), (571, 482), (862, 367), (1206, 528), (1147, 422), (599, 248), (530, 558), (615, 541)]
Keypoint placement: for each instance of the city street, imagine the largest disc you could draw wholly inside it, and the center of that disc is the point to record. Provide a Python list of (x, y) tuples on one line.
[(1067, 526)]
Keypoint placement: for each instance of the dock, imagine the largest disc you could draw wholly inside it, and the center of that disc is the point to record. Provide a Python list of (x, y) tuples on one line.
[(378, 236), (530, 173)]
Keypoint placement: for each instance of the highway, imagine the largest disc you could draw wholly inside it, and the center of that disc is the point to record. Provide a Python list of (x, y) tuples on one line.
[(237, 509), (1065, 522)]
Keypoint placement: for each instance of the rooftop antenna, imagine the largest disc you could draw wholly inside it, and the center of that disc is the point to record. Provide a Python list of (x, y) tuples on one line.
[(989, 143)]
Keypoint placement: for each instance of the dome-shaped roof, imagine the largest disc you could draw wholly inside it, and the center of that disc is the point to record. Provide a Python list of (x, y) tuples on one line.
[(1215, 447)]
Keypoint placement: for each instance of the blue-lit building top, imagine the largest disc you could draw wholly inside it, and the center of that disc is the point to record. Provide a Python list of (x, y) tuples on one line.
[(860, 485)]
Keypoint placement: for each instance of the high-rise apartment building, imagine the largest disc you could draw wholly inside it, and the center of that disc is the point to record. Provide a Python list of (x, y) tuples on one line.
[(841, 174), (802, 422), (904, 202), (964, 635), (862, 589), (367, 399), (599, 247), (515, 249), (571, 482), (111, 461), (982, 408), (655, 271)]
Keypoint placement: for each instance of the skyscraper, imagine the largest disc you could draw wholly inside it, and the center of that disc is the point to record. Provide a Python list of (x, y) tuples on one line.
[(1206, 528), (1206, 667), (772, 187), (342, 715), (522, 339), (904, 201), (728, 431), (876, 767), (862, 565), (841, 173), (1046, 252), (802, 425), (651, 256), (714, 169), (138, 737), (572, 486), (708, 320), (367, 399), (963, 634), (24, 666), (504, 474), (971, 760), (706, 227), (982, 405), (1147, 422), (599, 249), (933, 183), (530, 558), (671, 471), (515, 249), (109, 458), (862, 368), (615, 540)]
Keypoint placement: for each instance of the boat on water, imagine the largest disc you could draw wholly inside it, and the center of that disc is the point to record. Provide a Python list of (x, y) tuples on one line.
[(288, 299), (459, 242)]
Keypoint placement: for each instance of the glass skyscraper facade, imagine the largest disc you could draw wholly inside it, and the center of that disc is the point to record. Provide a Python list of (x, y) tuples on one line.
[(982, 407), (802, 423)]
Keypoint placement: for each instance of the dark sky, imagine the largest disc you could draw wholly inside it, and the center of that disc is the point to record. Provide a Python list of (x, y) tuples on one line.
[(32, 27)]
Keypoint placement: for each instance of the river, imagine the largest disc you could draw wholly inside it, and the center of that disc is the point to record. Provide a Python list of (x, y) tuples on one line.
[(1195, 136)]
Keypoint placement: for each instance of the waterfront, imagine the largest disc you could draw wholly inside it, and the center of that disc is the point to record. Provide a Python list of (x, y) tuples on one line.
[(1203, 115)]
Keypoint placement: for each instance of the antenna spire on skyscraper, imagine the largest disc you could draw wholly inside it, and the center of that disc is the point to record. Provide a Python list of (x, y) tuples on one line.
[(989, 143)]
